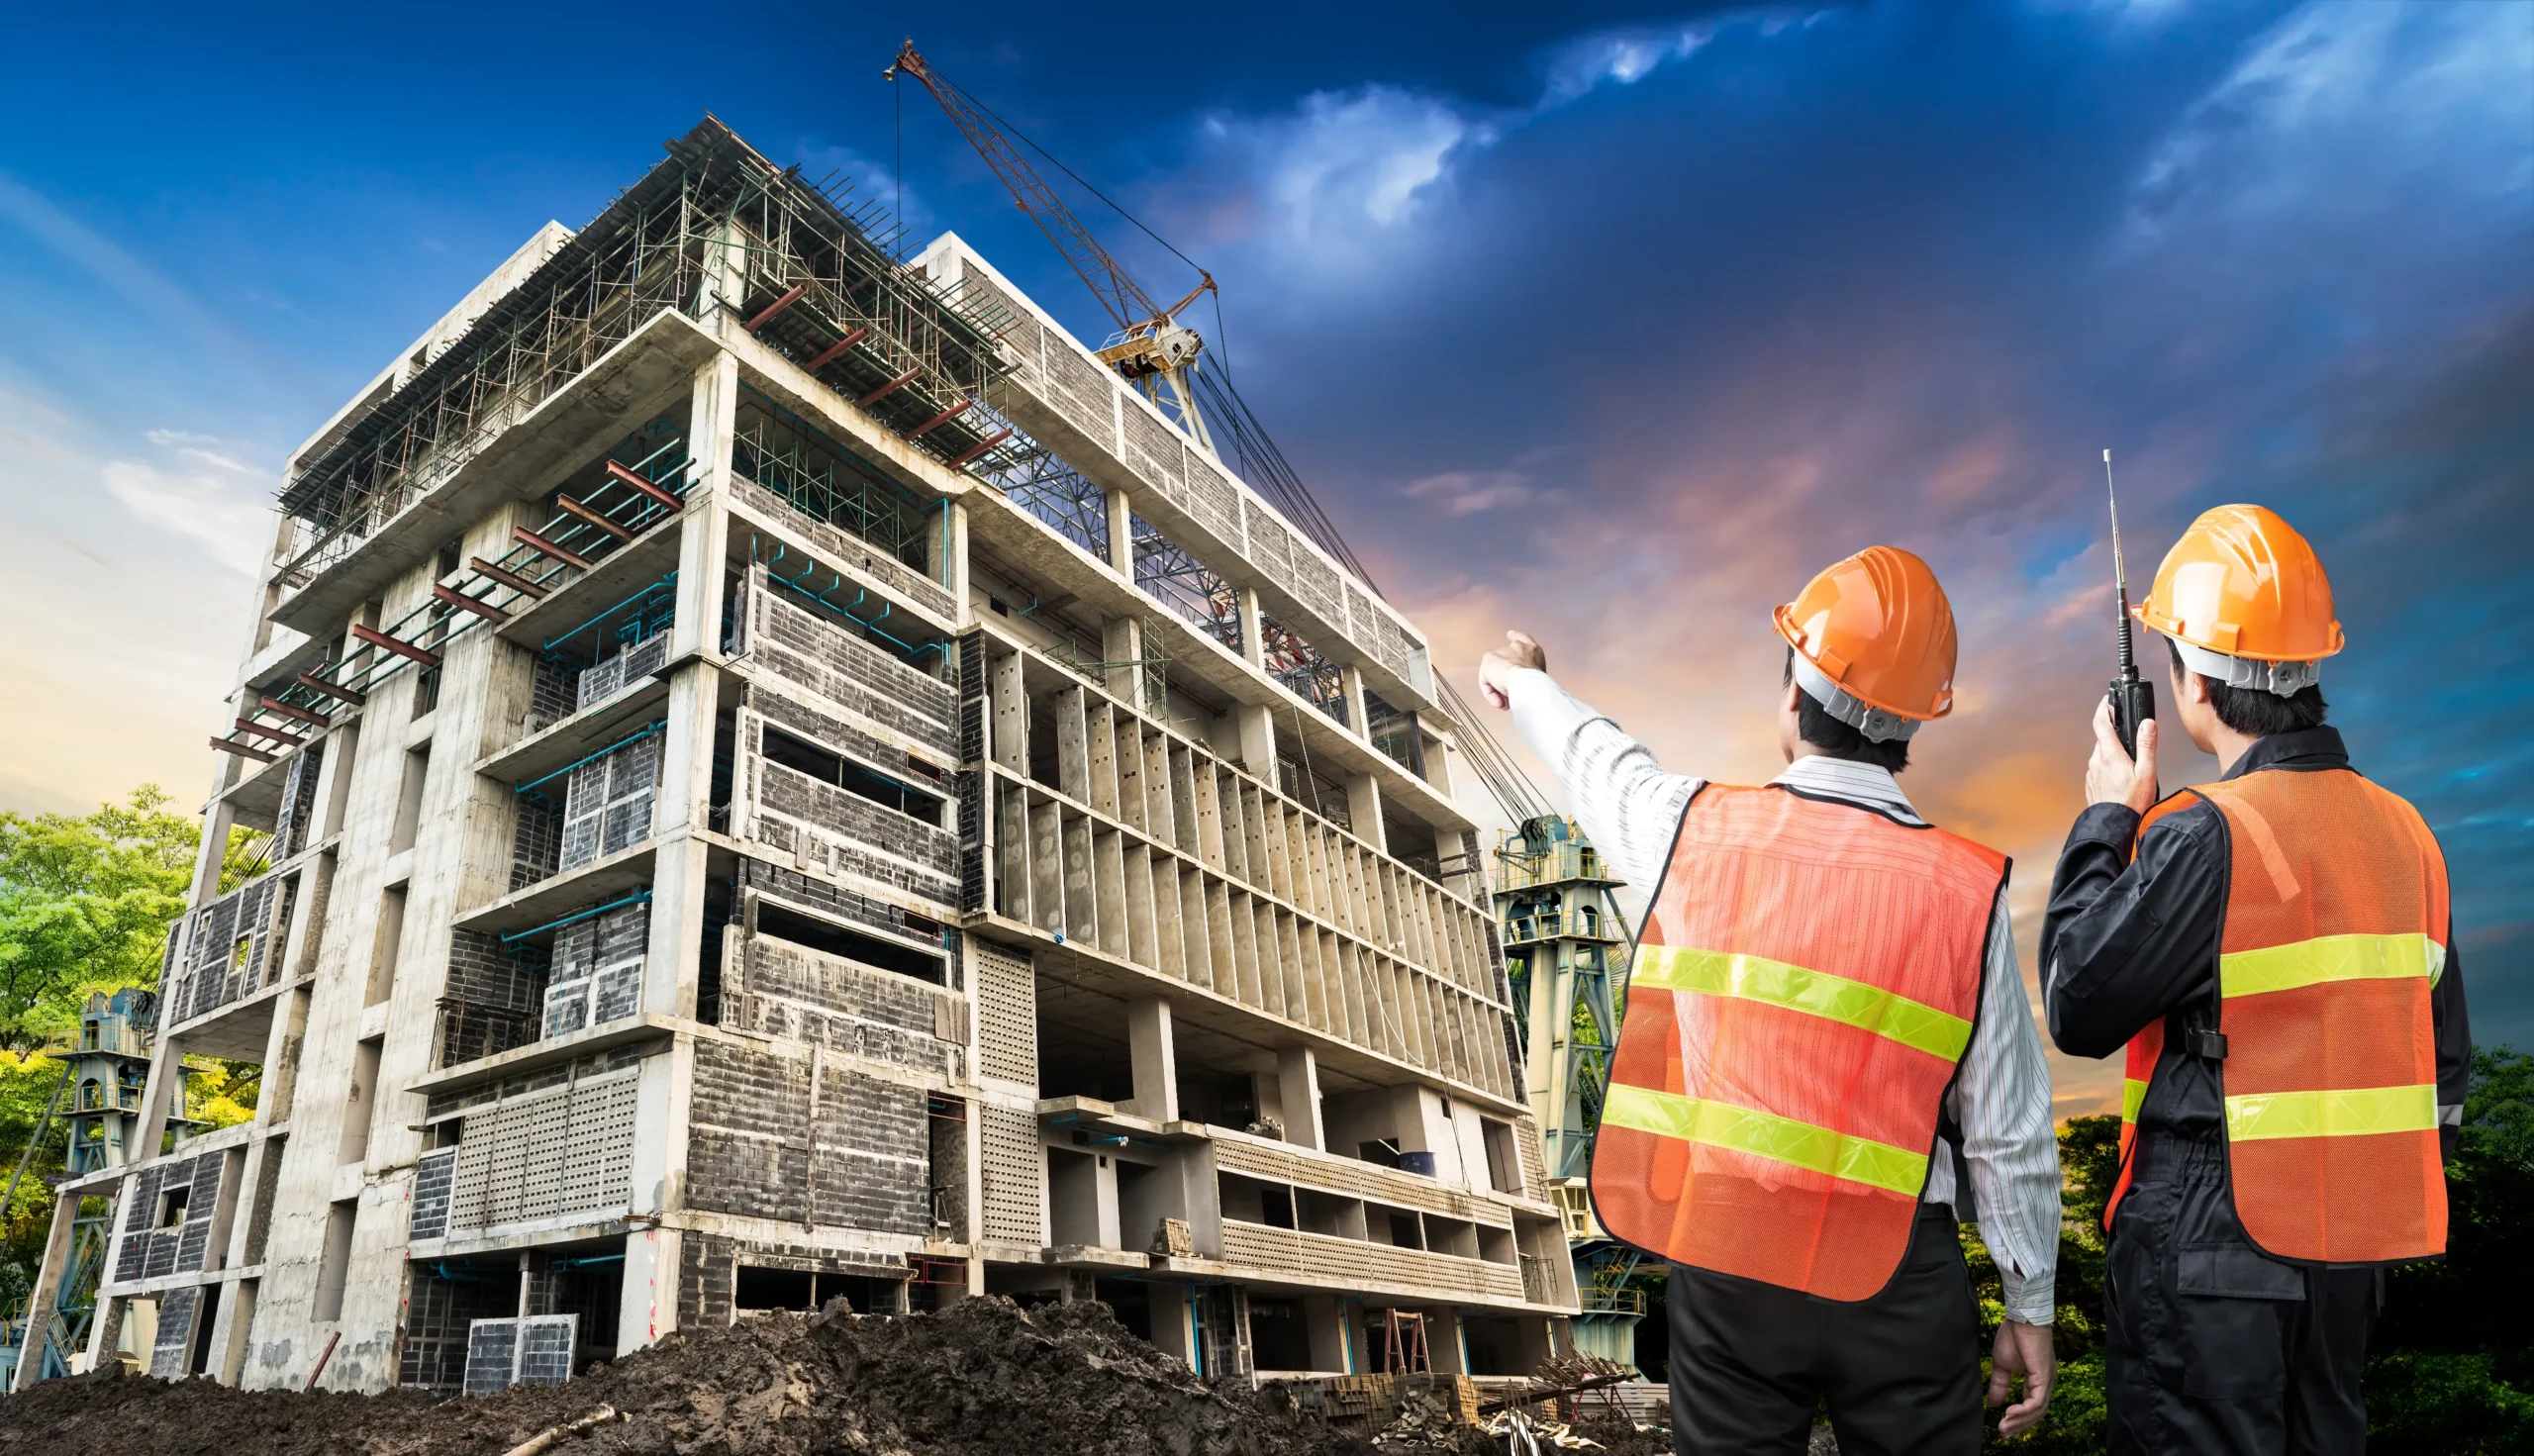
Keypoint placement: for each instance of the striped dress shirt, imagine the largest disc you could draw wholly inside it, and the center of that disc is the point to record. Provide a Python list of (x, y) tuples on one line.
[(1630, 810)]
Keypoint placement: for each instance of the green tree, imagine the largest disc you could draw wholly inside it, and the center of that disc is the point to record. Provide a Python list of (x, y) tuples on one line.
[(84, 905)]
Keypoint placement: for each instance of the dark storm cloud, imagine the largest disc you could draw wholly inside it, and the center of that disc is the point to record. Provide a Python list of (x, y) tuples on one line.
[(1626, 362)]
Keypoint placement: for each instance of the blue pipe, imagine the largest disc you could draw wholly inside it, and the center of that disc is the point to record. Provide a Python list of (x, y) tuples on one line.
[(514, 936), (657, 726), (647, 589)]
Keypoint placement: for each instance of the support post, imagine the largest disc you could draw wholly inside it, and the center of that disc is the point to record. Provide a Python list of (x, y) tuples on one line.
[(1253, 649), (1122, 534), (1257, 739), (1364, 810), (1122, 639), (1298, 1091), (1156, 1060)]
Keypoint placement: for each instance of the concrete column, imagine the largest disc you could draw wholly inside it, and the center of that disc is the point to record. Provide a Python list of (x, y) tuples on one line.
[(1364, 810), (230, 1332), (662, 1091), (1122, 534), (1325, 1316), (39, 1296), (1298, 1096), (648, 1306), (1122, 639), (1257, 737), (1358, 718), (1156, 1060), (1008, 727), (703, 563), (954, 571), (1174, 1325), (1253, 649), (166, 1080), (725, 276), (1446, 1342), (214, 847)]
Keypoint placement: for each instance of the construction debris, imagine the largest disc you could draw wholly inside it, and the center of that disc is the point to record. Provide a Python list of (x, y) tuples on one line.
[(979, 1379)]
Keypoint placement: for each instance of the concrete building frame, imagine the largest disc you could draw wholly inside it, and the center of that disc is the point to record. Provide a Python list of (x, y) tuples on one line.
[(732, 843)]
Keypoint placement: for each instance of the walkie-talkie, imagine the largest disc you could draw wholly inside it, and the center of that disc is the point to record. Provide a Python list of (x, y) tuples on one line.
[(2133, 698)]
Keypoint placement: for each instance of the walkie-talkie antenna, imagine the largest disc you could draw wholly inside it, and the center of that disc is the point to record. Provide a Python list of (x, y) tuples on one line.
[(2119, 569), (2133, 700)]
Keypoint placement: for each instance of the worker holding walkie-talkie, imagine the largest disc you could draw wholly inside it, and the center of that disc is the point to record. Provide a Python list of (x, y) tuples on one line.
[(2274, 952)]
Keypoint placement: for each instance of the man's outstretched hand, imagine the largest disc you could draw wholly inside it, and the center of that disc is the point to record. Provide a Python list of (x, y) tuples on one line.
[(1498, 667)]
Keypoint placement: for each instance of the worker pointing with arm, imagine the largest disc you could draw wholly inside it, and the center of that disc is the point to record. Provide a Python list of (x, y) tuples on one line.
[(2274, 952), (1825, 1031)]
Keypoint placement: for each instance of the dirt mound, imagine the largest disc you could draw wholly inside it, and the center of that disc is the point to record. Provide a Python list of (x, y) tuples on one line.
[(979, 1379)]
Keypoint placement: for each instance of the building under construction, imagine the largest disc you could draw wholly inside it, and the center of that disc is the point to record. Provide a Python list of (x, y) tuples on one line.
[(786, 776)]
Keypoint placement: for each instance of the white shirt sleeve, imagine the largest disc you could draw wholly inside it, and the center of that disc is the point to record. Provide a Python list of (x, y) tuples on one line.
[(2001, 1098), (1622, 800)]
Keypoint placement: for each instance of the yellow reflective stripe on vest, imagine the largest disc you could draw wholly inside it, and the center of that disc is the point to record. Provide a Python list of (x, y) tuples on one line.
[(2328, 958), (2354, 1112), (1912, 1024), (2134, 1096), (1766, 1135)]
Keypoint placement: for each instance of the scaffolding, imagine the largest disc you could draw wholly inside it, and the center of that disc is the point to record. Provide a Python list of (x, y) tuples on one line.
[(1565, 942), (715, 226)]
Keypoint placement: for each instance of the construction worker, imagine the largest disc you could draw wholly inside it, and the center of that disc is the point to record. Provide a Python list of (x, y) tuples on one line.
[(1825, 1032), (2274, 951)]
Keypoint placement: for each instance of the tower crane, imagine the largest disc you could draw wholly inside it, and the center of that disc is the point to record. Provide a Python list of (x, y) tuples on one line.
[(1151, 344), (1153, 348)]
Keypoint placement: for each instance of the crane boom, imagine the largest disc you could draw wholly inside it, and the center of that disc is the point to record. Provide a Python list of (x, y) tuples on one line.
[(1152, 342)]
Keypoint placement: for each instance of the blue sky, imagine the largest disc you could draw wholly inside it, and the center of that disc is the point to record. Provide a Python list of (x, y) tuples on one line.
[(1609, 322)]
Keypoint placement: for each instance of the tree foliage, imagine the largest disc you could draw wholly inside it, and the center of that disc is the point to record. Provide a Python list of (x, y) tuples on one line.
[(84, 905)]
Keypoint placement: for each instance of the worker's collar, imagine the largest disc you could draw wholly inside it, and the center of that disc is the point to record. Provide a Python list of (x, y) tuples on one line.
[(2302, 751), (1870, 785)]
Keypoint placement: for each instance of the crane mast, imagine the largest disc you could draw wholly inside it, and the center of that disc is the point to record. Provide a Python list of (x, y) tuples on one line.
[(1149, 345)]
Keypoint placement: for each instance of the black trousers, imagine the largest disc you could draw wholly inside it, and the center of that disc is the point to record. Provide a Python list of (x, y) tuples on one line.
[(1900, 1371), (2213, 1346)]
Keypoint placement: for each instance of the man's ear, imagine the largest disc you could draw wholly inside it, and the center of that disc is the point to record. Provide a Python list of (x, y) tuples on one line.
[(1792, 703)]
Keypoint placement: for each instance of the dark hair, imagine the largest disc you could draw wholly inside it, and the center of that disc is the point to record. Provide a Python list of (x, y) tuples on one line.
[(1836, 740), (2254, 711)]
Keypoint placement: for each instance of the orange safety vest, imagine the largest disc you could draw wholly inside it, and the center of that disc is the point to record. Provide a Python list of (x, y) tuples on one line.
[(2335, 918), (1807, 983)]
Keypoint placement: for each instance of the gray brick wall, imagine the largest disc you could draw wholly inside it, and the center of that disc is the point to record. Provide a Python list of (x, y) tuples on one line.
[(759, 1146), (802, 649)]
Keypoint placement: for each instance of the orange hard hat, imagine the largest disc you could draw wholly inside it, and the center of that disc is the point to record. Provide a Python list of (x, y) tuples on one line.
[(1877, 633), (2242, 583)]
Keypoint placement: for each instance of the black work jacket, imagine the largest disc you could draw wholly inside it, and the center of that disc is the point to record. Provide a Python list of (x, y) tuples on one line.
[(2125, 942)]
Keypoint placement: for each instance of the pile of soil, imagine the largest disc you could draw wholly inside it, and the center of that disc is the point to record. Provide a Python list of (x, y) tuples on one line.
[(978, 1379)]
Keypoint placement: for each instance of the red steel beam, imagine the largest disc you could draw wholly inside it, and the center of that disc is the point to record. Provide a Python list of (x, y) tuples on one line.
[(314, 683), (778, 306), (527, 537), (476, 605), (249, 724), (401, 649), (242, 751), (292, 709), (890, 388), (944, 418), (619, 472), (980, 447), (513, 580), (835, 351), (575, 507)]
